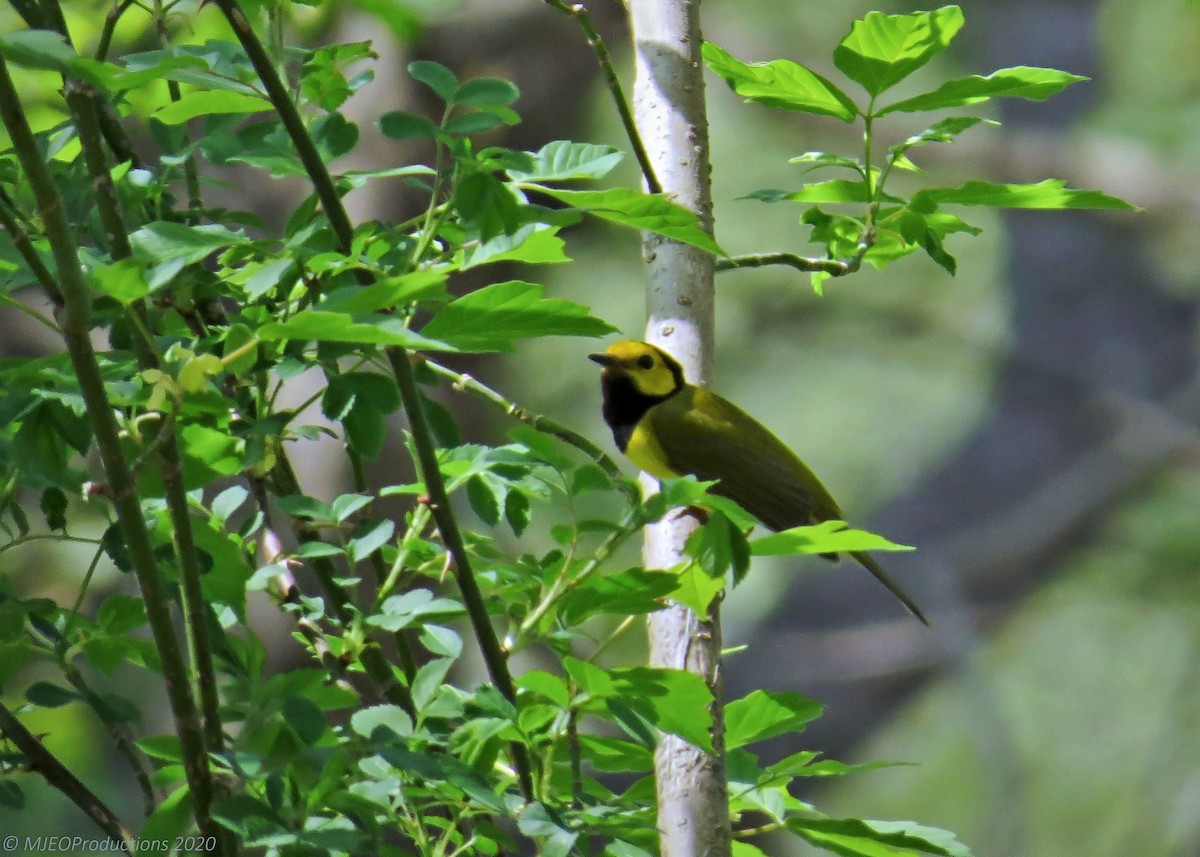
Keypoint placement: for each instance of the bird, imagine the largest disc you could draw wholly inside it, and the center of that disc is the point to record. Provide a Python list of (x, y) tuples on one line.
[(670, 428)]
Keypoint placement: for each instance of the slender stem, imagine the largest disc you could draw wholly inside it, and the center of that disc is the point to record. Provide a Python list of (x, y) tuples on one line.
[(42, 761), (402, 368), (833, 267), (75, 321), (110, 26), (564, 583), (443, 515), (467, 383), (19, 233), (195, 607), (580, 13)]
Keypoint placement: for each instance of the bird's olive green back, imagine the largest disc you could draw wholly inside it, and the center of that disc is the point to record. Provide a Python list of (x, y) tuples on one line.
[(703, 434)]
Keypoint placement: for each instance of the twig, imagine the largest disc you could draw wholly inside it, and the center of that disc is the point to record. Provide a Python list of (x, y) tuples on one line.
[(580, 13), (467, 383), (42, 761), (832, 267)]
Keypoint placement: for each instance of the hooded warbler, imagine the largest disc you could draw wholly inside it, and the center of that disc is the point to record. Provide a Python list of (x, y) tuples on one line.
[(670, 428)]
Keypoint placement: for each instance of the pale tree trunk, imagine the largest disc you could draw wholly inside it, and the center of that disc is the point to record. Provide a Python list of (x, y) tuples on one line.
[(693, 808)]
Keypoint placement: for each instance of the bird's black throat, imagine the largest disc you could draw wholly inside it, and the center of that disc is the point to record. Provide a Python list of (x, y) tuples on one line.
[(624, 404)]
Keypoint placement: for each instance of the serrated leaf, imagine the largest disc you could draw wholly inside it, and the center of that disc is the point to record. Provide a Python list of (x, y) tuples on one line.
[(826, 537), (210, 103), (650, 212), (763, 714), (780, 83), (1048, 194), (833, 191), (1035, 84), (390, 292), (817, 160), (363, 329), (881, 50), (163, 240), (534, 244), (696, 589), (631, 592), (496, 316), (853, 836), (563, 160)]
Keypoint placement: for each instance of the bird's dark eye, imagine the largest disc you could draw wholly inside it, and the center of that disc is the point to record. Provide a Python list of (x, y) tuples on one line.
[(645, 362)]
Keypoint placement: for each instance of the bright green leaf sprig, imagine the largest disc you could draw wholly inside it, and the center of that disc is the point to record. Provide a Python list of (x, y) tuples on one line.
[(878, 53)]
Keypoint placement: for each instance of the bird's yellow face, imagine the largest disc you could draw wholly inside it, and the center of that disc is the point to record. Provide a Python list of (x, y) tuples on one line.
[(651, 370)]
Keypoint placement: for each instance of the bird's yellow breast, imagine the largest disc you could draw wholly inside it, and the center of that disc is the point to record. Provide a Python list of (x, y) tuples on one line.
[(646, 452)]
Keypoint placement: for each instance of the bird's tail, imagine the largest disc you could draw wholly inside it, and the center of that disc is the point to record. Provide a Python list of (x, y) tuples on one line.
[(868, 562)]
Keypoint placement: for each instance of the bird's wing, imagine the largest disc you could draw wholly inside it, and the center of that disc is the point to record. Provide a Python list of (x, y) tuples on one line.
[(711, 438)]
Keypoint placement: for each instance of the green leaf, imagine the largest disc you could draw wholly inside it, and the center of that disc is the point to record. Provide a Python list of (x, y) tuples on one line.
[(781, 83), (563, 160), (392, 717), (414, 606), (826, 537), (548, 685), (533, 244), (719, 546), (478, 122), (1048, 194), (388, 293), (764, 714), (365, 329), (494, 317), (305, 717), (485, 497), (209, 103), (650, 212), (672, 700), (941, 132), (49, 695), (628, 593), (399, 125), (486, 90), (43, 49), (696, 588), (372, 537), (124, 280), (437, 77), (163, 240), (1035, 84), (817, 160), (168, 821), (881, 50), (853, 836), (834, 191)]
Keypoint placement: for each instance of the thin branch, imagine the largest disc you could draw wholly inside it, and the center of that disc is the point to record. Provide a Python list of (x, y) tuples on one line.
[(75, 321), (832, 267), (18, 231), (402, 368), (580, 13), (467, 383), (42, 761), (195, 607)]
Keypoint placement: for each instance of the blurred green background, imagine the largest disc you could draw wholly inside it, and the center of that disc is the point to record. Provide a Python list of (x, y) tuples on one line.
[(1030, 425)]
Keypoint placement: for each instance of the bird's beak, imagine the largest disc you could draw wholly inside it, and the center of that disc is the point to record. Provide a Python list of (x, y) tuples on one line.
[(605, 360)]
